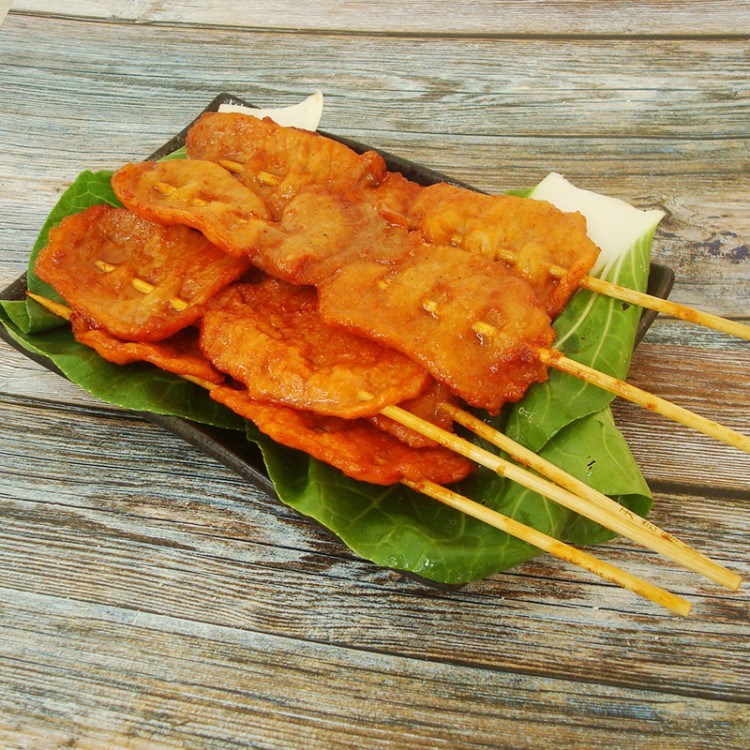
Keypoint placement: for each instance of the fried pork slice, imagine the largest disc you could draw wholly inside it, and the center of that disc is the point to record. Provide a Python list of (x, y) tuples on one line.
[(279, 162), (179, 354), (316, 232), (393, 198), (470, 322), (426, 406), (199, 194), (354, 446), (532, 235), (136, 280), (320, 232), (270, 337)]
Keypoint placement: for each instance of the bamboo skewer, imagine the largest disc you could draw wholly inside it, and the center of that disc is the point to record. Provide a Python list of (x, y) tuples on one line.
[(642, 299), (551, 545), (56, 308), (600, 512), (625, 523), (645, 399), (676, 310), (657, 540), (557, 360), (592, 283)]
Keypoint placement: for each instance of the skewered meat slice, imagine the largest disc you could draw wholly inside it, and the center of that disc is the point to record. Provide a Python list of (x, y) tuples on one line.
[(549, 248), (270, 337), (179, 354), (534, 235), (279, 162), (355, 446), (470, 322), (393, 198), (319, 233), (137, 280), (439, 310), (316, 233), (199, 194), (426, 406)]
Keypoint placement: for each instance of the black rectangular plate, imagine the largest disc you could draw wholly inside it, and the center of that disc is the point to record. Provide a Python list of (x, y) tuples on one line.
[(227, 446)]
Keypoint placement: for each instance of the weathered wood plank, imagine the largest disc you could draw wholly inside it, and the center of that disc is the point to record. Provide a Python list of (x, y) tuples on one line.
[(709, 382), (546, 623), (575, 88), (145, 687), (184, 535), (152, 599), (482, 17)]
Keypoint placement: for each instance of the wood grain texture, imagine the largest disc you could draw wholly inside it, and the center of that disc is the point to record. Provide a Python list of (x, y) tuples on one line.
[(150, 598), (622, 119), (269, 691), (479, 18), (183, 536)]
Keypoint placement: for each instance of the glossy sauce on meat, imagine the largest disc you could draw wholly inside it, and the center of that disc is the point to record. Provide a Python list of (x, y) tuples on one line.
[(470, 322), (278, 162), (137, 280), (355, 446), (535, 233), (270, 337), (179, 354), (198, 194), (426, 406)]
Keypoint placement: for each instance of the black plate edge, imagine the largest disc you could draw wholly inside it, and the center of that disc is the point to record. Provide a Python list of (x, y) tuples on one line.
[(231, 448)]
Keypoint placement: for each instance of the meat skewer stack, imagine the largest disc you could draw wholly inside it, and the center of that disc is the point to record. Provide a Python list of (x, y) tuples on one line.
[(319, 299)]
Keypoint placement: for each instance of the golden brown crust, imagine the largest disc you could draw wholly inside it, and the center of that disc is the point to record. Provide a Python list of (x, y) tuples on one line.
[(536, 234), (277, 162), (356, 447), (179, 354), (199, 194), (470, 322), (137, 280), (270, 337)]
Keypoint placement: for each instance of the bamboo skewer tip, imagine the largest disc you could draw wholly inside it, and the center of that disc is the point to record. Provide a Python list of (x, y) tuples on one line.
[(667, 307), (621, 388), (636, 528), (561, 550)]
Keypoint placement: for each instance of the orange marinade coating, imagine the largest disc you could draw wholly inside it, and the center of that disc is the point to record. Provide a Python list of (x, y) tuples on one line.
[(426, 406), (470, 322), (316, 232), (269, 337), (278, 162), (199, 194), (179, 354), (537, 233), (354, 446), (93, 258), (320, 233)]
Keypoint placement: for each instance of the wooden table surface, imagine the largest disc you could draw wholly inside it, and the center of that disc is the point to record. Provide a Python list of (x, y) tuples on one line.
[(149, 597)]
